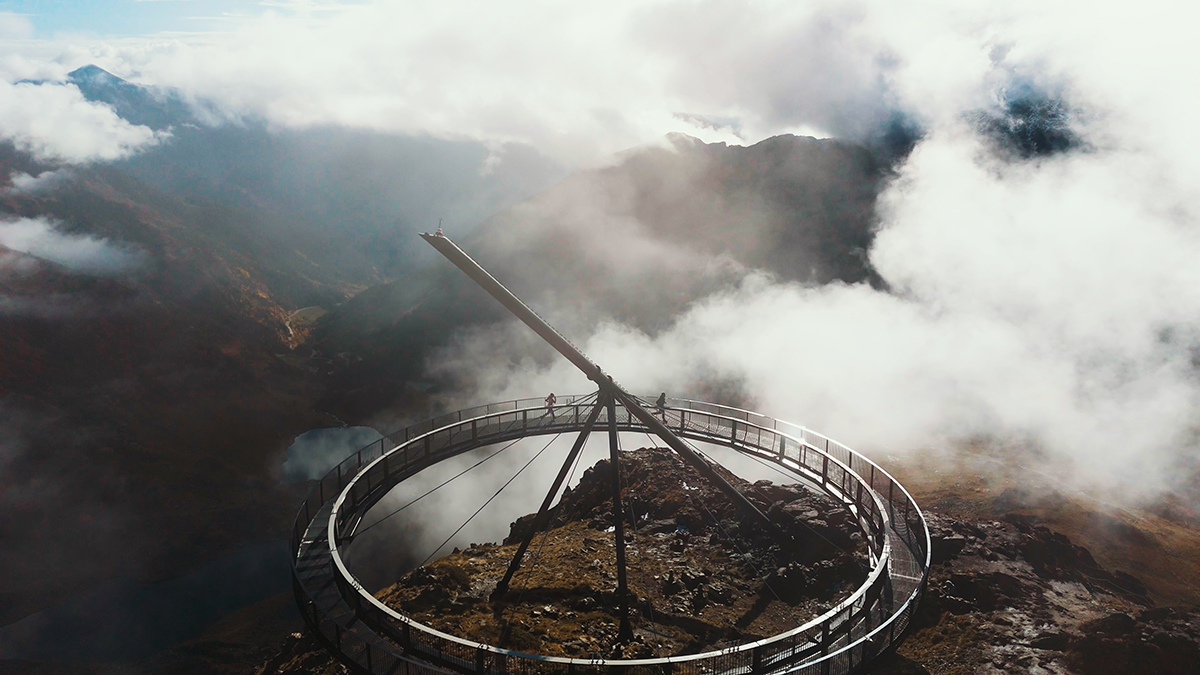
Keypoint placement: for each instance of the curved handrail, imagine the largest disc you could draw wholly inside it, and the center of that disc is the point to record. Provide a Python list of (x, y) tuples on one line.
[(856, 470), (333, 536)]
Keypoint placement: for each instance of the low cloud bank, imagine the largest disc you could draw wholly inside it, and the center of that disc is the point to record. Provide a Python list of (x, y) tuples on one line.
[(24, 183), (78, 253), (54, 122), (314, 453)]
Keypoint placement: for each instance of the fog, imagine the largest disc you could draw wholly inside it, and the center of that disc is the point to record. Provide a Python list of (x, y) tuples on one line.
[(78, 253), (55, 122), (1039, 292), (24, 183), (1051, 302), (315, 452), (1045, 294)]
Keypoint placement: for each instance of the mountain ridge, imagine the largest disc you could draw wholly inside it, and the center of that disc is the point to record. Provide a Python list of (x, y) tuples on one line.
[(635, 242)]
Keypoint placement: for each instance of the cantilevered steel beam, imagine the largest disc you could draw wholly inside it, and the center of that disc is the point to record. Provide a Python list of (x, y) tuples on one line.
[(511, 302), (539, 325)]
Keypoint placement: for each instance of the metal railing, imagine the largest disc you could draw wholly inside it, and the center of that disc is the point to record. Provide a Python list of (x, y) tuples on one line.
[(375, 638)]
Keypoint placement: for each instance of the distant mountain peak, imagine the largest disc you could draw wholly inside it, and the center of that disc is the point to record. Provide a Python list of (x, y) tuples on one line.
[(94, 74), (135, 103)]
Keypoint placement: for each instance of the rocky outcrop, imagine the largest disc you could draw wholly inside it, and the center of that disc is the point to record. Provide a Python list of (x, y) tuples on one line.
[(301, 654), (1004, 596), (1010, 596), (701, 574), (1161, 640)]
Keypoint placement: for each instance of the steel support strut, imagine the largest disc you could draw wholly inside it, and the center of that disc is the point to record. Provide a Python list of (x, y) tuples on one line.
[(543, 514), (625, 632)]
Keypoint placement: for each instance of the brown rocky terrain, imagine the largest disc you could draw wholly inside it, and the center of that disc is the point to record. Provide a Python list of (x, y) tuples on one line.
[(1010, 596), (702, 576), (1033, 575), (1008, 591)]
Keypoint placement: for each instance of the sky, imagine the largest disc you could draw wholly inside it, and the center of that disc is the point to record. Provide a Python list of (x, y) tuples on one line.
[(584, 81), (1050, 299), (53, 19)]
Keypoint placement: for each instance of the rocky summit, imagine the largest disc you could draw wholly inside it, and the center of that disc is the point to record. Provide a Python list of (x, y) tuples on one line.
[(700, 576)]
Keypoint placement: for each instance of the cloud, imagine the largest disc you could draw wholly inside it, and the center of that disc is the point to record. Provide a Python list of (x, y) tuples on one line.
[(23, 183), (84, 254), (1047, 299), (313, 453), (15, 26), (55, 122), (580, 82)]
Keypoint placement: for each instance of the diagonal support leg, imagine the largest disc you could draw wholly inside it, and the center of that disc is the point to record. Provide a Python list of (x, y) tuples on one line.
[(625, 632), (543, 514)]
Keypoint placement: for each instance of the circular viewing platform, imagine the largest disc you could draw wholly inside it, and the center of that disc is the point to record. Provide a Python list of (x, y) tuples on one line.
[(372, 637)]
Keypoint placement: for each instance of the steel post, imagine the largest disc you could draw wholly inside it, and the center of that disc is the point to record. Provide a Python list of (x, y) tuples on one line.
[(625, 631)]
